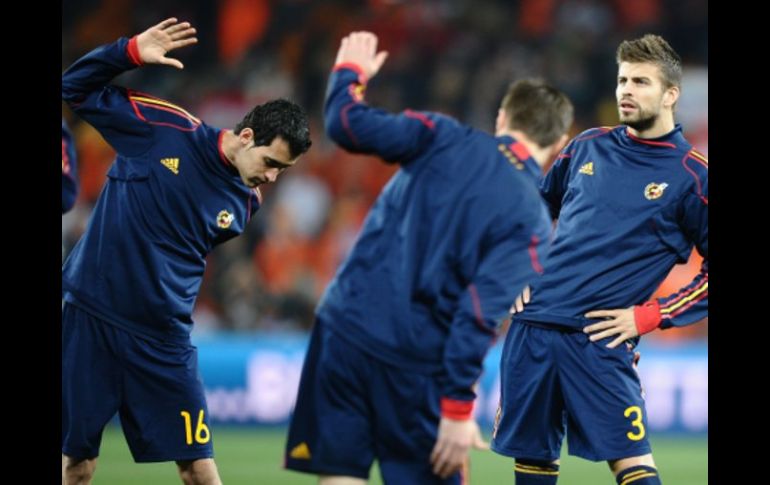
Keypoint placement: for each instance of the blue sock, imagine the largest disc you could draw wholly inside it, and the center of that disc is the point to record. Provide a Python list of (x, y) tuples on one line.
[(638, 475), (532, 472)]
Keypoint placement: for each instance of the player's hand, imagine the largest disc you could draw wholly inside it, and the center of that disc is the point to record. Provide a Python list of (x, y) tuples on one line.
[(521, 300), (360, 48), (154, 43), (618, 323), (455, 438)]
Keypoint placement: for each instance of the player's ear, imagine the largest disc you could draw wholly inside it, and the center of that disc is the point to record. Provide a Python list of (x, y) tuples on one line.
[(500, 121), (671, 96), (246, 136)]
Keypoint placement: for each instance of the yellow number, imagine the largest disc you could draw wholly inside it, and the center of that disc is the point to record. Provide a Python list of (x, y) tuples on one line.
[(636, 422), (187, 427), (202, 429), (202, 434)]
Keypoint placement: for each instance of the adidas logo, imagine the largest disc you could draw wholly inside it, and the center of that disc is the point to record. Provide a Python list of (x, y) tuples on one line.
[(171, 164), (587, 168), (300, 452)]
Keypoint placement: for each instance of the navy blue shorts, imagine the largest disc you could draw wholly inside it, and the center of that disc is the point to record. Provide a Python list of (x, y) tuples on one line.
[(155, 387), (353, 409), (552, 381)]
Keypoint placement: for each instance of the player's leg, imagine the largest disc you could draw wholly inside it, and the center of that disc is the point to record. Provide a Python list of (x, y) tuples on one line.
[(164, 413), (330, 432), (605, 405), (536, 472), (529, 425), (639, 470), (90, 390), (199, 472), (77, 471)]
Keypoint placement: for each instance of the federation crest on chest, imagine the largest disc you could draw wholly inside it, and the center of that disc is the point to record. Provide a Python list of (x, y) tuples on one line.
[(654, 190), (224, 219)]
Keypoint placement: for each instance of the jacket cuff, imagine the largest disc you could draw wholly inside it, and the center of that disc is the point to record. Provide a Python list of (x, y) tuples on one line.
[(647, 316), (353, 67), (454, 409), (133, 52)]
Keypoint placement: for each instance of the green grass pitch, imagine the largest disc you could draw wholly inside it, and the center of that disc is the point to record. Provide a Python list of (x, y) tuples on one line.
[(255, 456)]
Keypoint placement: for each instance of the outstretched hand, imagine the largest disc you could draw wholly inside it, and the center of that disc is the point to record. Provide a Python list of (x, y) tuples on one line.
[(360, 48), (154, 43)]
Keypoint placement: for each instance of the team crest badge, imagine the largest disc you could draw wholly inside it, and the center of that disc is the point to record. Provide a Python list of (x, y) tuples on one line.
[(224, 219), (654, 191)]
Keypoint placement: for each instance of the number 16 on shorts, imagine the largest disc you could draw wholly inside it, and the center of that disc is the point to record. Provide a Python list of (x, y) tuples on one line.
[(202, 434)]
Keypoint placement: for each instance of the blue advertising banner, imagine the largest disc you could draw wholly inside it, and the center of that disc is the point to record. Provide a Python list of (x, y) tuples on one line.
[(253, 378)]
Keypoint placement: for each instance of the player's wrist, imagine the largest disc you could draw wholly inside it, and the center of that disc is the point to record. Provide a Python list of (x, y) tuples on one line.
[(647, 316), (456, 409), (362, 77)]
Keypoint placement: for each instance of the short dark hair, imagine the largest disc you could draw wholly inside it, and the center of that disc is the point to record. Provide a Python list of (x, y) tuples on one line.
[(540, 111), (655, 50), (278, 118)]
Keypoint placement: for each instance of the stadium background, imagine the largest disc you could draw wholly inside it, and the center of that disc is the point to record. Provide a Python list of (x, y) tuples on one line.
[(454, 56)]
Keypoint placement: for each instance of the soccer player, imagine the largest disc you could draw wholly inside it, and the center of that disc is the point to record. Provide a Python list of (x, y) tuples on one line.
[(69, 176), (401, 331), (177, 189), (631, 202)]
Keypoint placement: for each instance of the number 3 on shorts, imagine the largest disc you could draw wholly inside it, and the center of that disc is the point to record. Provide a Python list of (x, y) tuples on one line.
[(202, 434), (637, 421)]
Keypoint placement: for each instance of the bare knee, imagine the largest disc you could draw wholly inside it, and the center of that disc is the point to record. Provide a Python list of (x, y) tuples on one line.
[(618, 466), (76, 471), (199, 472), (337, 480)]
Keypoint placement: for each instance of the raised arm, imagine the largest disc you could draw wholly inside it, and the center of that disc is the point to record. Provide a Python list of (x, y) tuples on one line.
[(359, 128), (85, 85)]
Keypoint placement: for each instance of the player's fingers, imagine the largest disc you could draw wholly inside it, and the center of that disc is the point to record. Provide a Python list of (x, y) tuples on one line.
[(621, 338), (480, 444), (183, 34), (171, 62), (595, 327), (165, 23), (434, 454), (607, 333), (183, 43), (519, 304), (602, 313), (525, 294), (176, 28), (379, 60)]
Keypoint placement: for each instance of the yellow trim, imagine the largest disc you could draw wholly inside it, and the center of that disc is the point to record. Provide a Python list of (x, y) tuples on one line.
[(534, 472), (681, 302), (532, 467), (166, 104), (625, 482), (699, 156), (633, 474)]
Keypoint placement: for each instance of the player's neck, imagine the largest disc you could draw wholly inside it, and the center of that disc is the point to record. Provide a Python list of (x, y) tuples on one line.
[(229, 145), (541, 155), (664, 125)]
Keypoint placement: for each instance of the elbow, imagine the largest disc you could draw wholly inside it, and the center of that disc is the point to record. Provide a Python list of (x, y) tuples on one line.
[(338, 129)]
